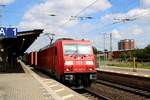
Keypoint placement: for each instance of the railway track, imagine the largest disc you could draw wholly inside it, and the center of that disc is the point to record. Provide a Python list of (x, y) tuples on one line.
[(91, 94), (107, 91), (102, 90), (125, 88), (96, 93), (129, 80)]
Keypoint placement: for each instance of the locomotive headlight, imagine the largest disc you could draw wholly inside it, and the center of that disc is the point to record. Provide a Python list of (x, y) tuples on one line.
[(67, 69), (68, 62), (89, 63), (90, 69)]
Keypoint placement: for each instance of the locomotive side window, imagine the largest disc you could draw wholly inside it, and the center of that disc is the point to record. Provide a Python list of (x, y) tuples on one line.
[(77, 49)]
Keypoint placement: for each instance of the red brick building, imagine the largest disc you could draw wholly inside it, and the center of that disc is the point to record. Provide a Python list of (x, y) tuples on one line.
[(116, 54), (126, 44)]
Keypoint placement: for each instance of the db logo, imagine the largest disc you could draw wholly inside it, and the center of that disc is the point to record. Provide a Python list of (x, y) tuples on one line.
[(79, 62)]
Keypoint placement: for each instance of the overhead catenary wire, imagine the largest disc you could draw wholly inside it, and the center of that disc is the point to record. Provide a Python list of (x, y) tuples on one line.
[(136, 17), (28, 50), (133, 17), (65, 23)]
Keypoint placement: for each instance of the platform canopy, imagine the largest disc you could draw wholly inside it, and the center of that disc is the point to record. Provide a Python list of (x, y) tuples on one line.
[(19, 44)]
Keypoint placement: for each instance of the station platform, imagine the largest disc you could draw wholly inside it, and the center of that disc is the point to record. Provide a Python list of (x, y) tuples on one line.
[(21, 87), (124, 70), (32, 85)]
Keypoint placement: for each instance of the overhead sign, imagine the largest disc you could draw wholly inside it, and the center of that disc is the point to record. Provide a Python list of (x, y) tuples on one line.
[(8, 32)]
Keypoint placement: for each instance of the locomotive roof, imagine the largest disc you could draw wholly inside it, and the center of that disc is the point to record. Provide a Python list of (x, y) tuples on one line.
[(71, 40), (66, 41)]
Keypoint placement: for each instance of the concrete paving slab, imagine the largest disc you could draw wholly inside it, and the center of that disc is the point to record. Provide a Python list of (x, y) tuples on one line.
[(20, 87)]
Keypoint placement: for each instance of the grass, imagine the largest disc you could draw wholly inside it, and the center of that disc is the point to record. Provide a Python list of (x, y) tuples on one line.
[(130, 64)]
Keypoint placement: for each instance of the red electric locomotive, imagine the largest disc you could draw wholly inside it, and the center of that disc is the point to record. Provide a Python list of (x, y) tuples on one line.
[(71, 61)]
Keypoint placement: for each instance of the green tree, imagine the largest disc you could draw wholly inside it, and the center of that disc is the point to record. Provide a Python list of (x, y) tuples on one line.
[(147, 52), (123, 56), (139, 53), (94, 50), (142, 54)]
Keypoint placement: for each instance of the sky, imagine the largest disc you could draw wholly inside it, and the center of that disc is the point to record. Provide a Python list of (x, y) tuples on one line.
[(71, 20)]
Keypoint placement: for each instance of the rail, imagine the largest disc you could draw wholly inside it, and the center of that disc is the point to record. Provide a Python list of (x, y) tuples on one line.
[(92, 91), (138, 82), (125, 88)]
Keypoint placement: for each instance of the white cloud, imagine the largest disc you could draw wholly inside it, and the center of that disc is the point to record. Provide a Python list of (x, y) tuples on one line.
[(38, 16), (135, 30), (145, 3), (116, 34), (99, 42), (138, 14), (5, 2)]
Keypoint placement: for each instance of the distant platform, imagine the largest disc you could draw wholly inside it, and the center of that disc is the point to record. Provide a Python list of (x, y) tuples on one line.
[(125, 70)]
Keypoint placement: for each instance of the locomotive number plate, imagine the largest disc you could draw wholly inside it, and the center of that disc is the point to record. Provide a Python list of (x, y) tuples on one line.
[(79, 62)]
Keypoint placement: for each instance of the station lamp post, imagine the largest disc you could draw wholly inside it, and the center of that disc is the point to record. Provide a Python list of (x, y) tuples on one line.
[(22, 44)]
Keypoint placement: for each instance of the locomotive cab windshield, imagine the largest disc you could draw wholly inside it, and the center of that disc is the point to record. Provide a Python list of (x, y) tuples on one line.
[(77, 49), (78, 57)]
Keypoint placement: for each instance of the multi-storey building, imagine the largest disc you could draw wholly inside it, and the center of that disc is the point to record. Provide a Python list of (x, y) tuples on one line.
[(126, 44)]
